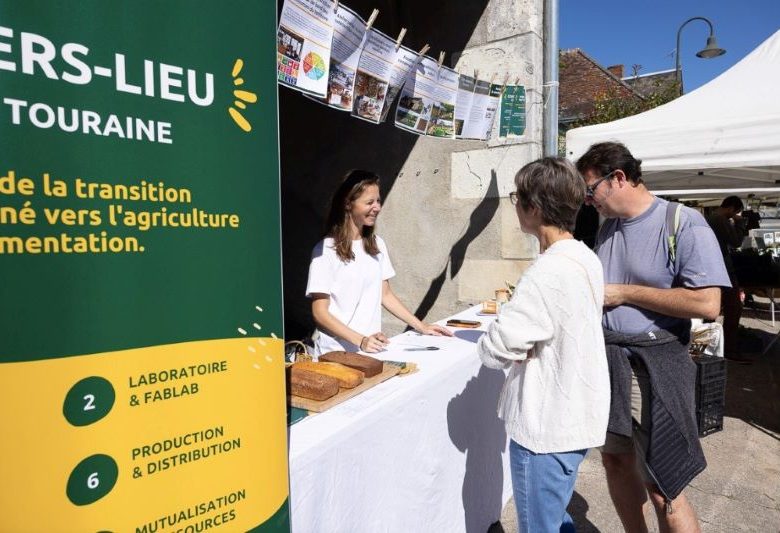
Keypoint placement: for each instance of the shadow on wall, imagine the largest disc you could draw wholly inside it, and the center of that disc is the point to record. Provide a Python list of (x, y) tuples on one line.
[(476, 430), (318, 145), (478, 221)]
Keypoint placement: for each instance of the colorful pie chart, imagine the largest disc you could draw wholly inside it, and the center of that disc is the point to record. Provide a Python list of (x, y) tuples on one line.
[(313, 66)]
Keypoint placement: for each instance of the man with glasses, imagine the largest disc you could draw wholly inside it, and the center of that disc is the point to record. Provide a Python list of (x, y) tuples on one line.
[(651, 294)]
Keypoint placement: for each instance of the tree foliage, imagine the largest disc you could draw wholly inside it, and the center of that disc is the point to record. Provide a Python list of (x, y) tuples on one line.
[(611, 105)]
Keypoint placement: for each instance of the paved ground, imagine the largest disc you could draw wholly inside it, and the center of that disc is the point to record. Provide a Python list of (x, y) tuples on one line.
[(740, 490)]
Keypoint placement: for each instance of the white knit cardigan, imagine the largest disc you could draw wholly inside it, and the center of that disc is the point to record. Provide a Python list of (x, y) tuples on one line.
[(556, 396)]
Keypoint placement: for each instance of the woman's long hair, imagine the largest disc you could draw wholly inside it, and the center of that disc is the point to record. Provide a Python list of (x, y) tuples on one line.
[(337, 223)]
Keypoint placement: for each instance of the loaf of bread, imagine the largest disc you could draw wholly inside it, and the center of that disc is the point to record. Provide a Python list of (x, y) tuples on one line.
[(368, 365), (349, 378), (311, 385)]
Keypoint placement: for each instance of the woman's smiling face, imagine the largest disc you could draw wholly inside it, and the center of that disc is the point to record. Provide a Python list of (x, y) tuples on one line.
[(365, 208)]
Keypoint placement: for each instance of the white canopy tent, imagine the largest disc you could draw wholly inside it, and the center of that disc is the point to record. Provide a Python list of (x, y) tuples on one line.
[(723, 135)]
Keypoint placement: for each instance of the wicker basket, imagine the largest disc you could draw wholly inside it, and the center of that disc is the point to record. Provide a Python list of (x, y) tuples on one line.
[(295, 351)]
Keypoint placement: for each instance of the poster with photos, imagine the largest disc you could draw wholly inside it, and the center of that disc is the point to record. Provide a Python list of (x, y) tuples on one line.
[(303, 45)]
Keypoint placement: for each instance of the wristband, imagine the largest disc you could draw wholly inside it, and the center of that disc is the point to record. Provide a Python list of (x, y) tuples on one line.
[(361, 343)]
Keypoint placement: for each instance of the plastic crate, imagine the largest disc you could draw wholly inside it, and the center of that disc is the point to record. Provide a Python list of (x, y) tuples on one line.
[(709, 368), (710, 393), (709, 417)]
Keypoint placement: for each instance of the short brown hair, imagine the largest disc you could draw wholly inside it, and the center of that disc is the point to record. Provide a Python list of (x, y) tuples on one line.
[(606, 157), (553, 186)]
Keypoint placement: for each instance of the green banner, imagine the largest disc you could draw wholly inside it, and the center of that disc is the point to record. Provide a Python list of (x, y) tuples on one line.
[(512, 119), (140, 252)]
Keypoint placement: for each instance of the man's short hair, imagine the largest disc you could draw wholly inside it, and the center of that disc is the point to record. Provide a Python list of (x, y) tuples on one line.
[(733, 202), (603, 158), (553, 186)]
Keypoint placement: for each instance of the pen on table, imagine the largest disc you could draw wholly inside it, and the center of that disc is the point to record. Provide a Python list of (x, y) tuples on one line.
[(416, 347), (421, 348)]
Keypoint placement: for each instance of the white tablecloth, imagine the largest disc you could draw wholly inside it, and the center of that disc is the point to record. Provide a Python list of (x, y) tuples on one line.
[(418, 453)]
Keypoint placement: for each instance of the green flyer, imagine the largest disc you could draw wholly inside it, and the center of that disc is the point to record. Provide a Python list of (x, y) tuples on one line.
[(512, 118)]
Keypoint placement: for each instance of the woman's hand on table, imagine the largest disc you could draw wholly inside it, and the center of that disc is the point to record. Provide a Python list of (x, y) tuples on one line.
[(374, 343), (435, 330)]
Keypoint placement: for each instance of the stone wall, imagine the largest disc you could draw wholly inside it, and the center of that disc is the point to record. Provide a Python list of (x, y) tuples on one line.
[(452, 234)]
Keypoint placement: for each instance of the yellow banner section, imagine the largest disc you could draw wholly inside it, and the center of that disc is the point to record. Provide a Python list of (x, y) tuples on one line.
[(183, 437)]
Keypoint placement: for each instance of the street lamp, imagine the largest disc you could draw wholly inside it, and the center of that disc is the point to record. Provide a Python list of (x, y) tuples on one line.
[(711, 50)]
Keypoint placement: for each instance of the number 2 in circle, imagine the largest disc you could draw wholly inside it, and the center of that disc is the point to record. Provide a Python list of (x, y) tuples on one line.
[(90, 399)]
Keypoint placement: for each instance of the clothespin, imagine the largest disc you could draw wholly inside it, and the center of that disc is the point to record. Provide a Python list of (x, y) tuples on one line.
[(371, 19), (441, 59), (476, 74), (335, 6), (503, 85), (493, 78), (400, 38), (423, 50)]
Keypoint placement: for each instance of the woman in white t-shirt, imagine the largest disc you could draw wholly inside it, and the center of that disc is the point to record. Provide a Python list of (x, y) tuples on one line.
[(349, 272)]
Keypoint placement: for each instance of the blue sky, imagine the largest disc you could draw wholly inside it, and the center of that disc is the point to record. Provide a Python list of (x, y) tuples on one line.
[(645, 32)]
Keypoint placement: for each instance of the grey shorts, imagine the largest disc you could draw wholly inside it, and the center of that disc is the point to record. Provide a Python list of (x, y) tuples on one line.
[(640, 411)]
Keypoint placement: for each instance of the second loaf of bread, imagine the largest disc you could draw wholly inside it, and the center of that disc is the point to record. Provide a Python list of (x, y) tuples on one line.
[(368, 365)]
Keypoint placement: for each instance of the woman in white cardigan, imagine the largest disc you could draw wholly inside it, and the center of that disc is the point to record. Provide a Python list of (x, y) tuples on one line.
[(555, 401)]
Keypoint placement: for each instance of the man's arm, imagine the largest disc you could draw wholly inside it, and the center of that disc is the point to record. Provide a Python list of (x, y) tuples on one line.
[(678, 302)]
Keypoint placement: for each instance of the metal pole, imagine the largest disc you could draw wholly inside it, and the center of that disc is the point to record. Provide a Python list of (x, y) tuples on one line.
[(677, 73), (550, 145)]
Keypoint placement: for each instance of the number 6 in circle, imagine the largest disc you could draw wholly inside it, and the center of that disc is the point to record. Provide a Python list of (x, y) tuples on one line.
[(93, 478)]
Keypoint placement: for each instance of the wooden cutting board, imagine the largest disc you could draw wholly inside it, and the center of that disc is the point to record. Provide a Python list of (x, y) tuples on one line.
[(316, 406)]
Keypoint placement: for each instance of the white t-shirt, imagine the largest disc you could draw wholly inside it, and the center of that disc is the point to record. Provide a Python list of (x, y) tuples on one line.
[(355, 289)]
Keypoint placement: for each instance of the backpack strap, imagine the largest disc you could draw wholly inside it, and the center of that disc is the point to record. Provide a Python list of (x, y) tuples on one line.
[(672, 225)]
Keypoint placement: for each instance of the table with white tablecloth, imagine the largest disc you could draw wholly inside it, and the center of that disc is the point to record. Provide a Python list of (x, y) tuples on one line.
[(424, 452)]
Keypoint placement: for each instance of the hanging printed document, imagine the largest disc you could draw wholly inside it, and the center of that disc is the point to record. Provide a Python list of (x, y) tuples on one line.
[(382, 70), (512, 116), (479, 121), (445, 94), (349, 36), (303, 45), (466, 86), (428, 88)]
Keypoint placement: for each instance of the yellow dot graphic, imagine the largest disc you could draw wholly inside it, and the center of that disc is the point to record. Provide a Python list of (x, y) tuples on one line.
[(239, 119), (246, 96), (237, 67), (241, 97)]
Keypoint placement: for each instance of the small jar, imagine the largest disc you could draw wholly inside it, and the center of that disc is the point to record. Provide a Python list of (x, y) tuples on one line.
[(502, 297)]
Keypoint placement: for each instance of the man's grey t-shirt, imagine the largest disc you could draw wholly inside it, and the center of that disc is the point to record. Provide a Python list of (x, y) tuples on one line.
[(635, 251)]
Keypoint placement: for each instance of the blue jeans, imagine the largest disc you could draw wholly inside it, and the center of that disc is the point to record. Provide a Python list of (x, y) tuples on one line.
[(543, 484)]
